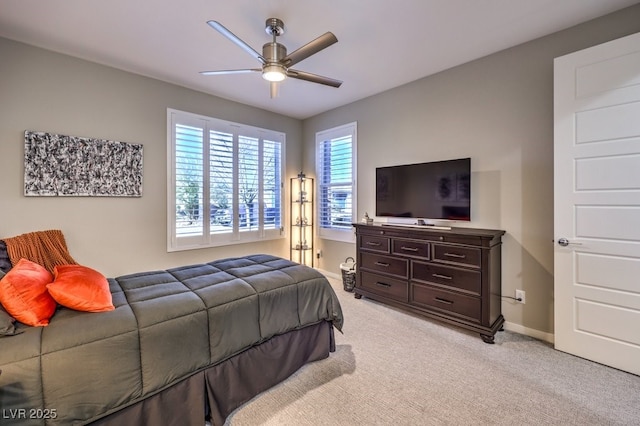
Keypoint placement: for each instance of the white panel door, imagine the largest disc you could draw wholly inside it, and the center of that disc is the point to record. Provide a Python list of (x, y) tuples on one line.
[(597, 203)]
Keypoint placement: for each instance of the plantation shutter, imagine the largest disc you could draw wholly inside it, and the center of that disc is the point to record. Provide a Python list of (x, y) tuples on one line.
[(224, 190), (336, 184), (249, 183), (335, 157), (221, 181), (189, 186), (272, 189)]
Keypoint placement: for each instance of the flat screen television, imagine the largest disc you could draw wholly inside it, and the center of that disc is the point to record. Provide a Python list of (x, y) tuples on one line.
[(439, 190)]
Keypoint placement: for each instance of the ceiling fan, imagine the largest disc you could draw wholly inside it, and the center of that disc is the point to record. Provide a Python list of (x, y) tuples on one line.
[(274, 59)]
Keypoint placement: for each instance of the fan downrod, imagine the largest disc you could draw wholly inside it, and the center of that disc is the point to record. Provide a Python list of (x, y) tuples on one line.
[(274, 27)]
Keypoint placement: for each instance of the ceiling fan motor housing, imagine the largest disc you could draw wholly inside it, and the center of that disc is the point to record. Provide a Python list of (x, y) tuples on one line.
[(273, 52)]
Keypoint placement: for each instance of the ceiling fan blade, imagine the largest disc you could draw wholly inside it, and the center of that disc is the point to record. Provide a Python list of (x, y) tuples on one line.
[(234, 38), (314, 46), (314, 78), (222, 72)]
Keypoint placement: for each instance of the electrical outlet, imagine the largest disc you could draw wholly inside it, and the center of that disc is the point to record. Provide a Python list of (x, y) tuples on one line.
[(318, 254), (520, 296)]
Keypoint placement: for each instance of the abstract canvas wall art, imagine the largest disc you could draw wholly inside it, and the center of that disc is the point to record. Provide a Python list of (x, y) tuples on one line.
[(60, 165)]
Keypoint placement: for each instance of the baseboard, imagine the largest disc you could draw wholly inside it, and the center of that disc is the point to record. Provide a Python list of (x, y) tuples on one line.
[(536, 334), (516, 328), (329, 274)]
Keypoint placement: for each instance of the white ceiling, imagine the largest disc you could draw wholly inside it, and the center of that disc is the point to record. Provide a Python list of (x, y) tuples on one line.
[(382, 43)]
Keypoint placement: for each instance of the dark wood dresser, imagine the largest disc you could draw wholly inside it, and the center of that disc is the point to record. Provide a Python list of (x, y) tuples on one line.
[(448, 275)]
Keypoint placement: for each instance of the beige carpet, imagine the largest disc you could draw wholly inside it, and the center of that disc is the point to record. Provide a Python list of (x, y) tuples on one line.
[(392, 368)]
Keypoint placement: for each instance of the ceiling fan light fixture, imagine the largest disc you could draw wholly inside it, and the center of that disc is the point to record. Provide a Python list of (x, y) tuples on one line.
[(274, 72)]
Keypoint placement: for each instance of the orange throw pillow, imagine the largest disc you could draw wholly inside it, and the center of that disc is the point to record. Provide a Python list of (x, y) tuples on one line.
[(23, 293), (81, 288)]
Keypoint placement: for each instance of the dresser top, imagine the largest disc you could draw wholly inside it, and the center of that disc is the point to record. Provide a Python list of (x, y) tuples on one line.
[(428, 229)]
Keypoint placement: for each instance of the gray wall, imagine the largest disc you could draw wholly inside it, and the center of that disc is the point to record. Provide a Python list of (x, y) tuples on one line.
[(45, 91), (498, 110)]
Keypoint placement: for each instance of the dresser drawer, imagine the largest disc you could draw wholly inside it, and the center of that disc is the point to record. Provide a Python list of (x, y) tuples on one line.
[(460, 239), (446, 301), (374, 243), (410, 248), (385, 264), (467, 256), (454, 278), (385, 286)]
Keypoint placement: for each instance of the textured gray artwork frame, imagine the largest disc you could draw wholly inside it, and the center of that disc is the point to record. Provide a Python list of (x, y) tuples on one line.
[(60, 165)]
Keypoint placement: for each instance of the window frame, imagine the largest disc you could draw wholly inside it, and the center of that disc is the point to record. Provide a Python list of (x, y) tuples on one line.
[(205, 237), (345, 130)]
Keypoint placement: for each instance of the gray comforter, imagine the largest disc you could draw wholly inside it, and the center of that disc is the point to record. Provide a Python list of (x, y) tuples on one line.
[(167, 325)]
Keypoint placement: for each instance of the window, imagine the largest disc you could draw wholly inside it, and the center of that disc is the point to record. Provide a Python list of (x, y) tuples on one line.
[(335, 169), (224, 182)]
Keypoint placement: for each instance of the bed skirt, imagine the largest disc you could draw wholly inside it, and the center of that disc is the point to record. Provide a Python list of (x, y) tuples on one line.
[(216, 392)]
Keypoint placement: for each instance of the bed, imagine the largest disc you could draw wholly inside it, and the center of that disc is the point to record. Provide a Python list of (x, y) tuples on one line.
[(182, 345)]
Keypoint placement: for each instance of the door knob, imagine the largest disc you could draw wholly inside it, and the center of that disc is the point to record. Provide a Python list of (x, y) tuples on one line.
[(565, 242)]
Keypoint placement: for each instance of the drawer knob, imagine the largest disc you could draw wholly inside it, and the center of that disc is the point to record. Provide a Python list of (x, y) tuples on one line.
[(370, 243), (386, 265), (383, 284), (445, 301)]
